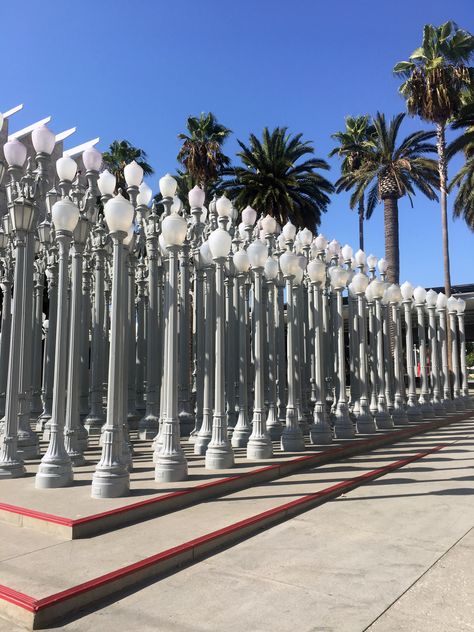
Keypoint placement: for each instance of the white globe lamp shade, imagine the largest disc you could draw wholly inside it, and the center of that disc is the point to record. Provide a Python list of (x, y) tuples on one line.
[(281, 241), (269, 225), (360, 281), (289, 231), (461, 306), (168, 186), (65, 215), (66, 168), (15, 153), (306, 237), (130, 235), (334, 248), (441, 301), (316, 271), (106, 183), (196, 197), (360, 257), (241, 261), (224, 207), (118, 214), (271, 269), (431, 298), (298, 276), (133, 174), (321, 242), (43, 140), (289, 264), (242, 231), (205, 255), (452, 304), (393, 294), (220, 243), (378, 288), (339, 277), (346, 252), (372, 262), (419, 294), (382, 266), (406, 289), (174, 229), (92, 159), (144, 194), (176, 205), (258, 254)]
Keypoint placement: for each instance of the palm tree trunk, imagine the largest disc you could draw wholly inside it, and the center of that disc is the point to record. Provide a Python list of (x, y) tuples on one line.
[(392, 251), (443, 177), (361, 224)]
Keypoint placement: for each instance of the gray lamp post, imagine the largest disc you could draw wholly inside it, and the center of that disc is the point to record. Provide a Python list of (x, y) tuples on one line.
[(185, 415), (271, 271), (343, 425), (394, 297), (413, 410), (382, 417), (22, 214), (6, 286), (431, 299), (170, 461), (419, 294), (259, 445), (111, 477), (441, 305), (219, 453), (291, 438), (320, 432), (55, 469), (39, 265), (468, 402), (364, 420), (452, 311), (140, 359)]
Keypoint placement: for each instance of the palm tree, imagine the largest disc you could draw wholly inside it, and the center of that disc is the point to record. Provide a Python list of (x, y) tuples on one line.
[(436, 75), (274, 182), (120, 153), (201, 153), (358, 131), (388, 171), (464, 179)]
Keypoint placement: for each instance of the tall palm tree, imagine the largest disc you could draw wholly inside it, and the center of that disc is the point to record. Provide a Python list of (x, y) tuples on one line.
[(464, 179), (120, 153), (358, 131), (436, 75), (275, 182), (388, 171), (201, 153)]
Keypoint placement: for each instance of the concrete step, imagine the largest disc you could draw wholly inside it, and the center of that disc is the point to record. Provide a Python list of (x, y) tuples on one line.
[(47, 578)]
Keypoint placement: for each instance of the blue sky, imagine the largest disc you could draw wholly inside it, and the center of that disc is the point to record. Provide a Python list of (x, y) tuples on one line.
[(136, 70)]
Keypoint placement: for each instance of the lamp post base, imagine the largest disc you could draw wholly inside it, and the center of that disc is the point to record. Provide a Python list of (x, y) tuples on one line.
[(240, 437), (52, 475), (219, 457), (365, 424), (259, 448), (148, 427), (343, 427), (110, 484), (93, 424), (12, 469), (201, 443), (186, 423), (383, 420), (170, 468), (449, 405)]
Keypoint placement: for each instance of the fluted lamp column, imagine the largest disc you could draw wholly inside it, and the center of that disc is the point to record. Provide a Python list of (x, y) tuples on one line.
[(431, 299), (111, 477), (452, 313), (382, 417), (413, 410), (467, 399), (55, 469), (419, 295), (441, 304), (170, 462)]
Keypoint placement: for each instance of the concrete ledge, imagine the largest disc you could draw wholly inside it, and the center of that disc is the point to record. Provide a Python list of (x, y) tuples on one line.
[(40, 613), (155, 506)]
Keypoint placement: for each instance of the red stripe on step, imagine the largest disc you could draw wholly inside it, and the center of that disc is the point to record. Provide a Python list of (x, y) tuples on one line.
[(339, 488), (17, 598)]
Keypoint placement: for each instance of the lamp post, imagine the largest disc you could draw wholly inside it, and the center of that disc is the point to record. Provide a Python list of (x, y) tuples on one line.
[(259, 445), (382, 417), (5, 337), (452, 311), (364, 420), (468, 403), (413, 410), (170, 461), (441, 305), (242, 429), (111, 477), (55, 469), (419, 294), (431, 299), (394, 298), (219, 453), (291, 438), (320, 432), (271, 271)]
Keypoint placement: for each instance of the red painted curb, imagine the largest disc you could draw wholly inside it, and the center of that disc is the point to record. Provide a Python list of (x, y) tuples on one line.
[(36, 605), (374, 441)]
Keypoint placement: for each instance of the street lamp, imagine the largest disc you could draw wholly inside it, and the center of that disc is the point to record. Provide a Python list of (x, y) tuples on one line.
[(394, 297), (431, 299), (461, 307), (413, 410), (452, 311), (419, 295), (441, 306), (382, 417), (55, 469)]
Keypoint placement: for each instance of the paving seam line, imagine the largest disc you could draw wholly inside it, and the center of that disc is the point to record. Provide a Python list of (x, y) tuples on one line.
[(237, 531)]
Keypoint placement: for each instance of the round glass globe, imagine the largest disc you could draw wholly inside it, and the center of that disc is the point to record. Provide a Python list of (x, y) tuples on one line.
[(106, 183), (144, 194), (65, 215), (15, 153), (289, 231), (133, 174), (220, 243), (224, 207), (43, 140), (359, 282), (258, 254), (406, 289), (461, 306), (382, 266), (205, 255), (452, 304), (168, 186), (338, 277), (174, 229), (431, 298), (321, 242), (419, 294), (360, 257), (241, 261), (92, 159), (289, 264), (346, 252), (269, 225), (249, 216), (372, 262), (271, 269), (66, 168), (334, 248), (196, 197), (316, 271), (306, 237), (118, 214)]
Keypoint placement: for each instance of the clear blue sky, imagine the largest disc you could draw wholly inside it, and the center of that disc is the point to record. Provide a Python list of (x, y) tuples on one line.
[(135, 70)]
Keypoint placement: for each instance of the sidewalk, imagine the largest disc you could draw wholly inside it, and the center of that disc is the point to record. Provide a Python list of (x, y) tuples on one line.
[(403, 540)]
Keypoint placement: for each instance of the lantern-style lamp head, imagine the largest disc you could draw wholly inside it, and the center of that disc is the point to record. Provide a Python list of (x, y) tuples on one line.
[(196, 197), (66, 168), (441, 301), (118, 214), (407, 291), (281, 241), (419, 294), (306, 237), (174, 229), (289, 231), (360, 257), (258, 254), (321, 242), (92, 159), (346, 252), (65, 215), (378, 288), (133, 174), (431, 298), (43, 140), (271, 269), (3, 240), (393, 294), (452, 304), (334, 248), (44, 232), (220, 243), (15, 153), (144, 194), (129, 238), (249, 216), (168, 186), (106, 183), (269, 225), (316, 271), (241, 261), (224, 207)]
